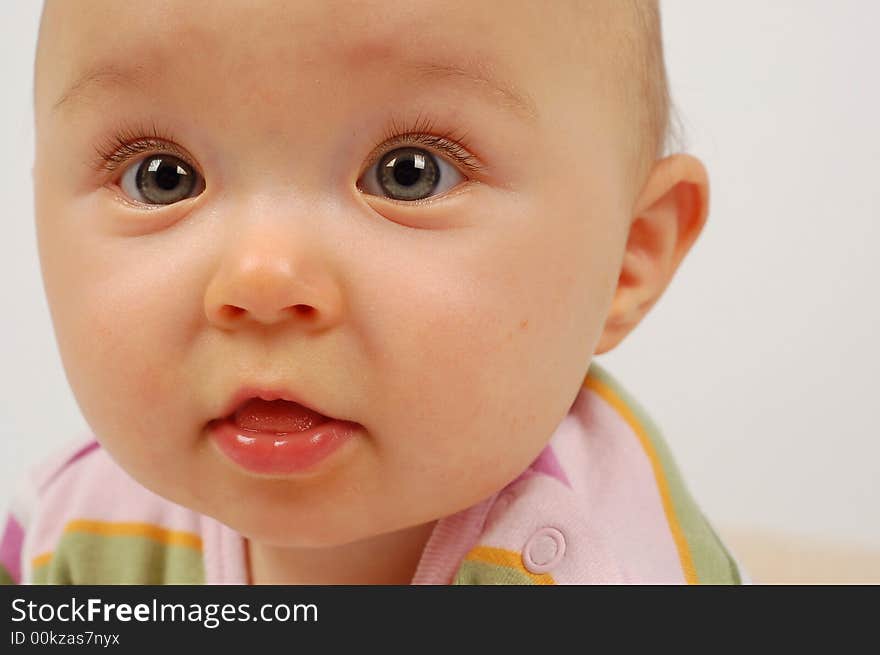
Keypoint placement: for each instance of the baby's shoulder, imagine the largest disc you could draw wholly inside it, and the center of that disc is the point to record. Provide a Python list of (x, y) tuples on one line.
[(78, 518), (634, 491), (604, 502)]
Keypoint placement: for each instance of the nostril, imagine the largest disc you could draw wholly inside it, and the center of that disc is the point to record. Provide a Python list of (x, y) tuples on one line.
[(303, 310), (231, 311)]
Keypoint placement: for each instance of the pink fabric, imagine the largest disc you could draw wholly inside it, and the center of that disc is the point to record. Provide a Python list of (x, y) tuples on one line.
[(223, 554), (10, 547), (42, 474), (93, 487), (537, 502), (548, 463), (451, 539), (615, 483)]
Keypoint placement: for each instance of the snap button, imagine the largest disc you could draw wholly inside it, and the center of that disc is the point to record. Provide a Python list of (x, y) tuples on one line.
[(543, 550)]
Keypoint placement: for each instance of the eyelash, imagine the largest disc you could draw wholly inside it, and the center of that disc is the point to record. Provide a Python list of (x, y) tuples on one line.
[(129, 142)]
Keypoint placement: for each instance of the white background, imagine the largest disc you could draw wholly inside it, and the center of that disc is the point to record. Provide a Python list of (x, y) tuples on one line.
[(760, 361)]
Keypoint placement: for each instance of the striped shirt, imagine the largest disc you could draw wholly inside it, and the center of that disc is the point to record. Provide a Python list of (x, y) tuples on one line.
[(603, 503)]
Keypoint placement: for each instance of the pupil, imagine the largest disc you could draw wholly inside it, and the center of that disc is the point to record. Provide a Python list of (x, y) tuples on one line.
[(167, 177), (406, 173)]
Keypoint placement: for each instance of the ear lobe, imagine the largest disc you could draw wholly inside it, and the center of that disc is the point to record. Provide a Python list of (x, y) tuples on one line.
[(668, 217)]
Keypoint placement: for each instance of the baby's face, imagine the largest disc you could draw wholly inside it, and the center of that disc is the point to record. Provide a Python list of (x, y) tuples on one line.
[(449, 304)]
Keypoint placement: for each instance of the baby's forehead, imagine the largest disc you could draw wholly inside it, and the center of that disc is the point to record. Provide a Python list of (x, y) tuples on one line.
[(199, 32), (503, 50)]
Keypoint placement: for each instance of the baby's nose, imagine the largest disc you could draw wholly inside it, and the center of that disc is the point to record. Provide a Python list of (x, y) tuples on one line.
[(268, 284)]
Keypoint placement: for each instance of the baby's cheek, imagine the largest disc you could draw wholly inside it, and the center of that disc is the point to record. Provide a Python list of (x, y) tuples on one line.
[(483, 377), (116, 342)]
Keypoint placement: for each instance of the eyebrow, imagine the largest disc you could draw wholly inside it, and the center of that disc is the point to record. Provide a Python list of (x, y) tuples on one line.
[(105, 76), (517, 100)]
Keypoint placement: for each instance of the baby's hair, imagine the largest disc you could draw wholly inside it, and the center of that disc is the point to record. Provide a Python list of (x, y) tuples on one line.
[(631, 33), (661, 122)]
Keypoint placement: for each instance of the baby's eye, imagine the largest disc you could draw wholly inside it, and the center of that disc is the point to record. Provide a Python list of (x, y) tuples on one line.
[(161, 179), (409, 174)]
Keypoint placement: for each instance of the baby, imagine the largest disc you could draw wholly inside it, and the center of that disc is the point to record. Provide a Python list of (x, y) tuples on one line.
[(327, 280)]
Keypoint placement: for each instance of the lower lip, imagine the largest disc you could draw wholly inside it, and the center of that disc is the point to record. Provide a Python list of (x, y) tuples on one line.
[(274, 453)]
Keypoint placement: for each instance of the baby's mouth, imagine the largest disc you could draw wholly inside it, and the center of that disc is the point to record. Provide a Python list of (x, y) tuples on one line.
[(279, 416), (268, 435)]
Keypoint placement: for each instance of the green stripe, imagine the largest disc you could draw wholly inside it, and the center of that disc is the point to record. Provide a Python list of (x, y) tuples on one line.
[(481, 573), (712, 561), (85, 558), (5, 576)]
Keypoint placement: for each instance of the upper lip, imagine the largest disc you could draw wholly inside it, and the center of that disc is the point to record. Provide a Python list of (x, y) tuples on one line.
[(266, 393)]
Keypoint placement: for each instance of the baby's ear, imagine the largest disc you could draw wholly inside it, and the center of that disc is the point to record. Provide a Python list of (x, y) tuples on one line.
[(668, 217)]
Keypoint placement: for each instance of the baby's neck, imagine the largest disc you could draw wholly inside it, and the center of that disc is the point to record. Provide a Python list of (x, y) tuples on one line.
[(384, 559)]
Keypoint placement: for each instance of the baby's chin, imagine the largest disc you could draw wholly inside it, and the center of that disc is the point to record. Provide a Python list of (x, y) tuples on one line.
[(290, 513), (304, 529)]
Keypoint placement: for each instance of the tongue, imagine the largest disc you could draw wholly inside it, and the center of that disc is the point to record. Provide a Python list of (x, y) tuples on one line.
[(276, 416)]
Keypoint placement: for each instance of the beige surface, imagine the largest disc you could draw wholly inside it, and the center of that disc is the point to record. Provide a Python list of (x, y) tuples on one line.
[(782, 559)]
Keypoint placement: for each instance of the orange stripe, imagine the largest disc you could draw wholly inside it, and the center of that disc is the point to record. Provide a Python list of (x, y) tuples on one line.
[(109, 529), (684, 552), (504, 557), (39, 560)]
